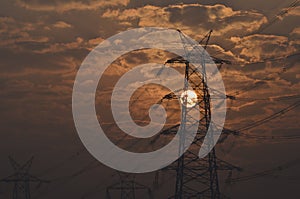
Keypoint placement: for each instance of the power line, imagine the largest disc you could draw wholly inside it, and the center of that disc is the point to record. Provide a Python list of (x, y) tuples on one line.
[(240, 131), (276, 99), (259, 83), (264, 173), (278, 16), (271, 117), (63, 180)]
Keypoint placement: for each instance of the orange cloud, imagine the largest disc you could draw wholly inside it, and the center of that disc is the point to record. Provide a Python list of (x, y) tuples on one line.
[(62, 24), (296, 31), (294, 12), (260, 47), (192, 18), (68, 5), (13, 32)]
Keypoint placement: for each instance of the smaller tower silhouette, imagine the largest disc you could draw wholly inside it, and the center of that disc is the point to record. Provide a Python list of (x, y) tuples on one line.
[(21, 178), (127, 187)]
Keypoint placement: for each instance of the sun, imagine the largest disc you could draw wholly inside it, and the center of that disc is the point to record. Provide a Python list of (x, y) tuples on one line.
[(188, 98)]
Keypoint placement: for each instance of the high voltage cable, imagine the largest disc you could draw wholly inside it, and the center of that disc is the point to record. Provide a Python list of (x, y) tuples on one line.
[(240, 131), (279, 15), (265, 172), (271, 117), (243, 90), (89, 166), (53, 168), (278, 98), (65, 179), (253, 125)]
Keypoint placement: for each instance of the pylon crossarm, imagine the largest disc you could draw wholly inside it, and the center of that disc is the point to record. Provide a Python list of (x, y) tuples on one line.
[(26, 167), (223, 165), (14, 164), (36, 179)]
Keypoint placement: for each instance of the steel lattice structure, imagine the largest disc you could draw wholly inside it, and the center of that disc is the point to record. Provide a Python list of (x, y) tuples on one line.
[(22, 179), (126, 188), (196, 178)]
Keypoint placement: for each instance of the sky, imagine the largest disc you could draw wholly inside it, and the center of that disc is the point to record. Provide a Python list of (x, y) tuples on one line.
[(43, 43)]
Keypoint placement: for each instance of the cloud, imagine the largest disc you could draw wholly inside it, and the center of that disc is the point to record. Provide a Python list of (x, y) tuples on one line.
[(193, 19), (59, 56), (78, 44), (294, 12), (62, 24), (223, 54), (263, 84), (295, 32), (256, 48), (60, 47), (13, 33), (41, 37), (68, 5)]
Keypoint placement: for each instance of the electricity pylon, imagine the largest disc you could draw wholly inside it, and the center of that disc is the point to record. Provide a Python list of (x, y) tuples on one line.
[(196, 178), (127, 187), (21, 179)]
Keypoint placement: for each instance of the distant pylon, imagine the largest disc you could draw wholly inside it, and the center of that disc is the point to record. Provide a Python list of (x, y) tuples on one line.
[(21, 179), (126, 188)]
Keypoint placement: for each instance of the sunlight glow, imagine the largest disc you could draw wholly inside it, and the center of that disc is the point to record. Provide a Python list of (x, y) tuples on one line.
[(189, 98)]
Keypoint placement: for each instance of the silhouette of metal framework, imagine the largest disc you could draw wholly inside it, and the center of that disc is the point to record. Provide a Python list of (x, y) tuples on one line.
[(196, 178), (21, 178), (127, 187)]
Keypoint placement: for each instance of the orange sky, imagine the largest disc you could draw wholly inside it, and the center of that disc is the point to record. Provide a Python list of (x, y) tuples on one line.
[(43, 43)]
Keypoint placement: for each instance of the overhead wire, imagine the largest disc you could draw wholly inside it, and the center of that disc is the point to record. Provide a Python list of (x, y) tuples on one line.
[(240, 131), (277, 16), (264, 173), (271, 117), (253, 125), (261, 81)]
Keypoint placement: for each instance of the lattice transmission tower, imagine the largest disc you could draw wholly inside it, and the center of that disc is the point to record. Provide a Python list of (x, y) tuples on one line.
[(21, 178), (127, 188), (196, 178)]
